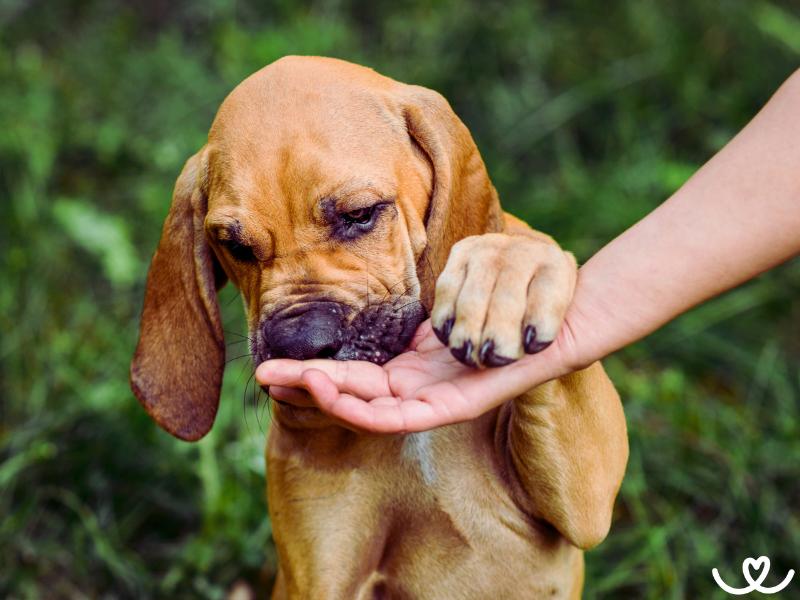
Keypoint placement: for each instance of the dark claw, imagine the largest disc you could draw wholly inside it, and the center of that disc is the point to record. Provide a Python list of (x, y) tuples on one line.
[(464, 354), (444, 333), (539, 346), (266, 389), (530, 338), (489, 358), (532, 346)]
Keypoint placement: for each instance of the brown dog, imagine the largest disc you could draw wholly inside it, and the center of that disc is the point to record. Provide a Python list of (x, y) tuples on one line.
[(334, 198)]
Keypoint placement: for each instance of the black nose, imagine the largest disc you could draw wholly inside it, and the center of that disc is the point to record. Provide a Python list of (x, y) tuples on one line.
[(314, 332)]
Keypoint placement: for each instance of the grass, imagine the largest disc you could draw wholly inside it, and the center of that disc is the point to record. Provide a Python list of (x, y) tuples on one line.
[(588, 116)]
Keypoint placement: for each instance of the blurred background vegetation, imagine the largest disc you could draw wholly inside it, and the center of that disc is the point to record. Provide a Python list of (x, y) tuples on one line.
[(588, 115)]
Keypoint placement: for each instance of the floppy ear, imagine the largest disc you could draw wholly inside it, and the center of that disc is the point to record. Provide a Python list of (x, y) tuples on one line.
[(176, 371), (463, 201)]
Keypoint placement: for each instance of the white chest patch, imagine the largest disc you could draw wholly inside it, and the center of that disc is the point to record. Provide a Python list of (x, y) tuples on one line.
[(417, 447)]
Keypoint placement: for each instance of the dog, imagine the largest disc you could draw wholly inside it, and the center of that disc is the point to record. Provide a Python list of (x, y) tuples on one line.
[(347, 207)]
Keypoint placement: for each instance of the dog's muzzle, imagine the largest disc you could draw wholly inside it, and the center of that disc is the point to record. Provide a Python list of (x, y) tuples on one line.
[(328, 329)]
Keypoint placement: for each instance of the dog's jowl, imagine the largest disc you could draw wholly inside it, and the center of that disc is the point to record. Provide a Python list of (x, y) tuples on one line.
[(347, 208)]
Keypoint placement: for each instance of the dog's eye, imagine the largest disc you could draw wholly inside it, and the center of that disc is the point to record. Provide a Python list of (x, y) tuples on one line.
[(238, 251), (361, 217), (354, 223)]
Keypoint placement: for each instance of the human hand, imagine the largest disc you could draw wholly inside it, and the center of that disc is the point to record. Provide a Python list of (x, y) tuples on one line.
[(420, 389), (500, 297)]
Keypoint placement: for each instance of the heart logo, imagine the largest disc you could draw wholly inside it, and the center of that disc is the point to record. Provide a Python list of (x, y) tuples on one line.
[(761, 567)]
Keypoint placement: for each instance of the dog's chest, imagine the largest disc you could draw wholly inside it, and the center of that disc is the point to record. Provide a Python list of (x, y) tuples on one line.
[(421, 515), (418, 452)]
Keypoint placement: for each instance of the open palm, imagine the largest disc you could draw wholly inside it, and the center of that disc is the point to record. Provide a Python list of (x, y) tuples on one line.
[(422, 388)]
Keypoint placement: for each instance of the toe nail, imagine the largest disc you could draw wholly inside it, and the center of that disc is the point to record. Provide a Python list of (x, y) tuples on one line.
[(497, 360), (448, 327), (530, 339), (539, 346), (464, 354), (487, 349), (444, 332), (489, 358)]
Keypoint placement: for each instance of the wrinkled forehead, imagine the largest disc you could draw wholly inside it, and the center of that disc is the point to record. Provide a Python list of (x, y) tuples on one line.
[(295, 128)]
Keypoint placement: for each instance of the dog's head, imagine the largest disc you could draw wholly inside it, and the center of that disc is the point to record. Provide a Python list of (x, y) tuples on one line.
[(330, 196)]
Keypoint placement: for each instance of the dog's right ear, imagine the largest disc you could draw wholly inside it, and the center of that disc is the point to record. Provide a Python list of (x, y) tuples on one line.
[(176, 371), (463, 201)]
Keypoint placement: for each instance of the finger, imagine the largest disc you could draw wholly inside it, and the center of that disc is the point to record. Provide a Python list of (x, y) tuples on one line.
[(480, 392), (295, 396), (326, 395), (345, 408), (385, 415), (378, 417), (381, 415), (424, 332), (463, 398), (360, 378), (305, 397)]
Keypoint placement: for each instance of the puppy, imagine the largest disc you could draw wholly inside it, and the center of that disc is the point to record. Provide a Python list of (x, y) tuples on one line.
[(334, 199)]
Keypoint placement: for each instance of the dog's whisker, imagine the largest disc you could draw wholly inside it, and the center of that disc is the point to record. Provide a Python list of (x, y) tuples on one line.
[(256, 406), (427, 263), (269, 406), (252, 402), (230, 360), (241, 335), (366, 281), (400, 308), (401, 298), (264, 406), (244, 403), (391, 288), (237, 295), (246, 387)]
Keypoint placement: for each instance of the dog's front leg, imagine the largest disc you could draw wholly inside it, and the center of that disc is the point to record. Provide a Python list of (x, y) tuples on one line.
[(500, 296)]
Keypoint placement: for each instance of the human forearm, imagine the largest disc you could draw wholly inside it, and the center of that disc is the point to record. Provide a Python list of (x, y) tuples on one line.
[(736, 217)]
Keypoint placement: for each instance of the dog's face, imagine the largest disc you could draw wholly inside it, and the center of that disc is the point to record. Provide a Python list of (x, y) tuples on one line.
[(316, 210), (330, 196)]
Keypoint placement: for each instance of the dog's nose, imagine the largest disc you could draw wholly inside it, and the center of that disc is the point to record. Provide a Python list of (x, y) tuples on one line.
[(313, 333)]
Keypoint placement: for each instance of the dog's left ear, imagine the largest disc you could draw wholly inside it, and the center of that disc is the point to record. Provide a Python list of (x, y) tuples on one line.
[(176, 371), (463, 200)]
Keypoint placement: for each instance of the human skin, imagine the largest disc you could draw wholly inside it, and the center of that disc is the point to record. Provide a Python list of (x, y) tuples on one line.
[(736, 217)]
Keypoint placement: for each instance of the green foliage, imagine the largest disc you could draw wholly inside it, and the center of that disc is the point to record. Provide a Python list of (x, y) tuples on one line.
[(588, 115)]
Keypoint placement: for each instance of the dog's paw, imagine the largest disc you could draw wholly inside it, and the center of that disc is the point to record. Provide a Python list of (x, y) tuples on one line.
[(500, 296)]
